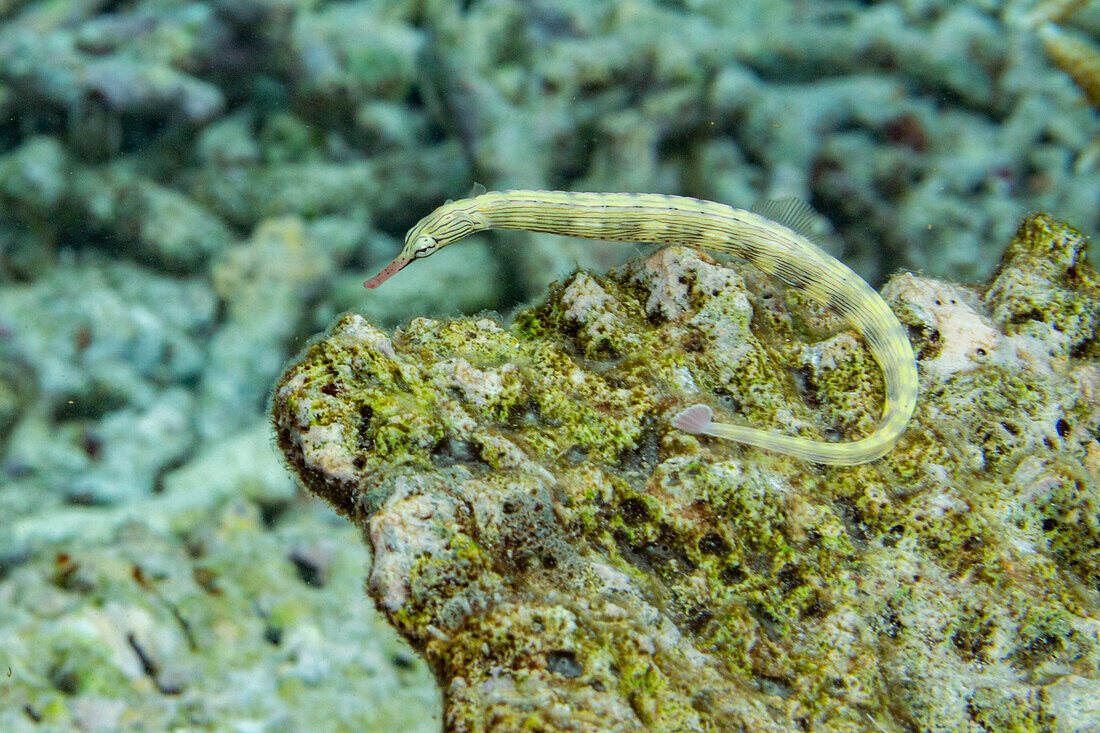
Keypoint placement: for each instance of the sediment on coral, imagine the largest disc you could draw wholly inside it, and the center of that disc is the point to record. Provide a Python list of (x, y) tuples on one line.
[(566, 560)]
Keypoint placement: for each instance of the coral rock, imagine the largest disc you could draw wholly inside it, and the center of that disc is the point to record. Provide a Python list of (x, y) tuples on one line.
[(566, 560)]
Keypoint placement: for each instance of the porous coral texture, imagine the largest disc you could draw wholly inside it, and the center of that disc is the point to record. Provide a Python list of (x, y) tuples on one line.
[(566, 560)]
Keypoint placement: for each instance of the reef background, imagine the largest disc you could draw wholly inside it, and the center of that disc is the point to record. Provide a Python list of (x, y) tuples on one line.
[(190, 192)]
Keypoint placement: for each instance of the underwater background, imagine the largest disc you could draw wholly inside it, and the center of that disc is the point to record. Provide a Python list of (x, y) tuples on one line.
[(192, 191)]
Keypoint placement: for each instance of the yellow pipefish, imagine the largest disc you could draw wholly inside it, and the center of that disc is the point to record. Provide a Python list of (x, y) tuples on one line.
[(776, 249)]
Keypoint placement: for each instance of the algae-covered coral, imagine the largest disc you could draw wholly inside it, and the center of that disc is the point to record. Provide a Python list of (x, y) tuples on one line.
[(565, 560)]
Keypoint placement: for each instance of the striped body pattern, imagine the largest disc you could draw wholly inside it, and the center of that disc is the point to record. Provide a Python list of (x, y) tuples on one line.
[(768, 245)]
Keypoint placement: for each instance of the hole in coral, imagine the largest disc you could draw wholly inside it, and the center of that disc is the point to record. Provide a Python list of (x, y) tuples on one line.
[(273, 635), (698, 620), (634, 511), (733, 575), (713, 544), (309, 570), (403, 661), (564, 663)]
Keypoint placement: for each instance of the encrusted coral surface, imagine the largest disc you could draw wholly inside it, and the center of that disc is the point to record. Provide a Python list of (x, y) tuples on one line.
[(565, 560)]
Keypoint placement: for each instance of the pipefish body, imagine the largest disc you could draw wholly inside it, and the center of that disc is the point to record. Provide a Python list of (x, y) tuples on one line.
[(777, 249)]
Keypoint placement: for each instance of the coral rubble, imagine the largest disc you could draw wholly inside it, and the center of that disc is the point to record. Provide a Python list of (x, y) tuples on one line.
[(565, 560)]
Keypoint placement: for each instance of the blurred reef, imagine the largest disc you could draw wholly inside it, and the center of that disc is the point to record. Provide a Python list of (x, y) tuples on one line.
[(191, 191)]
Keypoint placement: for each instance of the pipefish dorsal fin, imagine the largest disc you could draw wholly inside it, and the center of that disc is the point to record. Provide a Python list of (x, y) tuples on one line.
[(798, 216), (476, 190)]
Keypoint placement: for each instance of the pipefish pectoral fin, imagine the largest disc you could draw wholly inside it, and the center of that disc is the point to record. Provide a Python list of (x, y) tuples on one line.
[(801, 218)]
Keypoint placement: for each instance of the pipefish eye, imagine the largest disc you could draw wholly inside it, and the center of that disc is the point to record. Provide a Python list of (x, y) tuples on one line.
[(424, 246)]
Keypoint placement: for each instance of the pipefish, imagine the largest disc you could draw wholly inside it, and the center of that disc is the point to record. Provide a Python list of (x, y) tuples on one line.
[(778, 249)]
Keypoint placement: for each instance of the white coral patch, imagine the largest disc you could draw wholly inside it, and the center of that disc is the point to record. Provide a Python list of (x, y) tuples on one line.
[(324, 449), (613, 580), (968, 338), (402, 533), (668, 274), (682, 378), (829, 354), (480, 387), (598, 313), (359, 329), (583, 297), (505, 453), (295, 386)]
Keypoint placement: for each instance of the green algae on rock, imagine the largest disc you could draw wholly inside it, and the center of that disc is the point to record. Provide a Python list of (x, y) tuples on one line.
[(566, 560)]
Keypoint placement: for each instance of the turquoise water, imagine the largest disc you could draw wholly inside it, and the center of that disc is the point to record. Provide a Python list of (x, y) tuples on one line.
[(191, 191)]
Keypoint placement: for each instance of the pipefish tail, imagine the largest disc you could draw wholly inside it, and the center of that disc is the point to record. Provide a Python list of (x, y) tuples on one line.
[(776, 248)]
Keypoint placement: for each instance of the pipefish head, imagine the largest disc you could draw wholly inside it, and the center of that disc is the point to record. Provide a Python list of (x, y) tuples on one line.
[(449, 223)]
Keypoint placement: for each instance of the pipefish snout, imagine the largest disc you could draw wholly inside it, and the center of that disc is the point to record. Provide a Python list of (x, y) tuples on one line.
[(779, 249)]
